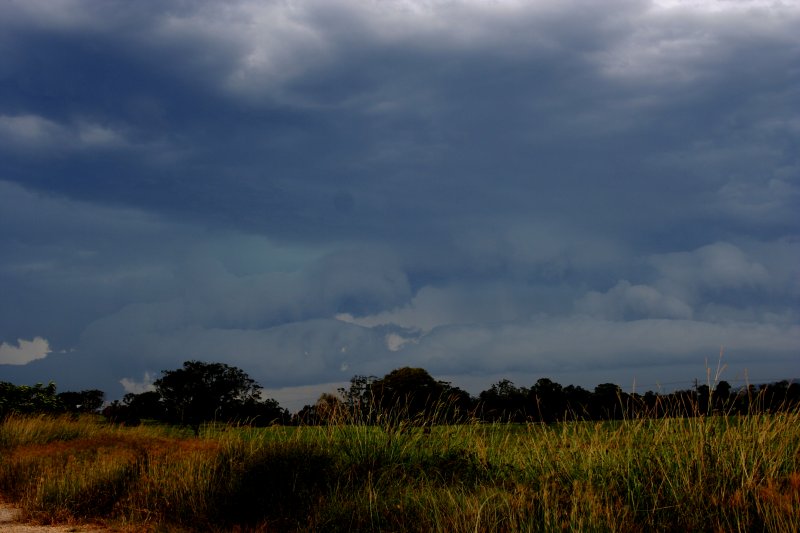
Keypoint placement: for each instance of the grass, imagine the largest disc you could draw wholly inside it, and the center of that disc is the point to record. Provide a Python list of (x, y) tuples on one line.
[(716, 473)]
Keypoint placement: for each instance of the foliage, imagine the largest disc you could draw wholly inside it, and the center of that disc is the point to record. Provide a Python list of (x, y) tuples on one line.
[(200, 392), (24, 399), (710, 473), (411, 392), (85, 401)]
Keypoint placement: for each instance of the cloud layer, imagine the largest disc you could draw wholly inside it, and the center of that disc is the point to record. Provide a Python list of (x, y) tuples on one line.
[(312, 190)]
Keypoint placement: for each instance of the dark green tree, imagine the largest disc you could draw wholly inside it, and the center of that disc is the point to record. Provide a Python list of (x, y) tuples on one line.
[(504, 401), (263, 413), (200, 392), (549, 400), (607, 402), (577, 401), (146, 404), (85, 401), (408, 393), (703, 399), (358, 398), (25, 399), (722, 395), (457, 404)]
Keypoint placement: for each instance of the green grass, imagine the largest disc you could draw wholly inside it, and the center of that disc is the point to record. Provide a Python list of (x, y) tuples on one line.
[(700, 474)]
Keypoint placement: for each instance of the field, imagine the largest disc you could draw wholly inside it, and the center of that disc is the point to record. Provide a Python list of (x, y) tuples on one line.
[(715, 473)]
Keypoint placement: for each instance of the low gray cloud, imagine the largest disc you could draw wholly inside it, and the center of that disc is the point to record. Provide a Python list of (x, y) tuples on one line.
[(626, 301), (312, 190)]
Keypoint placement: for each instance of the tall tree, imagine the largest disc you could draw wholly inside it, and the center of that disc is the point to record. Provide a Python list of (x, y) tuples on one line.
[(407, 393), (549, 401), (607, 402), (358, 397), (200, 392), (504, 401)]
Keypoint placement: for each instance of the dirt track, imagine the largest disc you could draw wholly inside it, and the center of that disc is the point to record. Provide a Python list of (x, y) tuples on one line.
[(9, 523)]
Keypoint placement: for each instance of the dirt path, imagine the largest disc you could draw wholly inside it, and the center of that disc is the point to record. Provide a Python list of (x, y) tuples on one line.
[(9, 523)]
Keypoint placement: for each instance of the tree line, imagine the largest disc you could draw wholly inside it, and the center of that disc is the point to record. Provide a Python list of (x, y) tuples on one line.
[(412, 394), (200, 392)]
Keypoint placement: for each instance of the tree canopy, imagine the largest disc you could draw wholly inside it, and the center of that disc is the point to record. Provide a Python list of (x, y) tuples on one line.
[(85, 401), (25, 399), (200, 392)]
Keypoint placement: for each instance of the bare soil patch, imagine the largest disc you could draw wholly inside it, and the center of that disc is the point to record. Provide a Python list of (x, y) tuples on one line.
[(10, 523)]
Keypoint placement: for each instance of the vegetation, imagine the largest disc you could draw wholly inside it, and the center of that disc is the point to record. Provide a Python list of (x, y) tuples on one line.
[(204, 392), (26, 399), (404, 453), (200, 392), (705, 473)]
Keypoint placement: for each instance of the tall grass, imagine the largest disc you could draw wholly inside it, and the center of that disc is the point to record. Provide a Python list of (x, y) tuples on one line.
[(713, 473)]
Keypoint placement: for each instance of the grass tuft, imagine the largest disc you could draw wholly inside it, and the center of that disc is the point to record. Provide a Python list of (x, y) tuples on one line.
[(703, 473)]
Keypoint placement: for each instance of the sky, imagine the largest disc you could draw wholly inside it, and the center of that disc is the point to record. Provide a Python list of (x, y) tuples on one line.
[(589, 191)]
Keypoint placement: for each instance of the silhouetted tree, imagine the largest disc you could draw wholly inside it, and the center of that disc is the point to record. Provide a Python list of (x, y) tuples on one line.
[(549, 400), (85, 401), (607, 402), (358, 398), (262, 413), (200, 392), (793, 396), (703, 400), (651, 405), (146, 404), (577, 399), (329, 408), (722, 394), (457, 404), (306, 416), (504, 401), (407, 393)]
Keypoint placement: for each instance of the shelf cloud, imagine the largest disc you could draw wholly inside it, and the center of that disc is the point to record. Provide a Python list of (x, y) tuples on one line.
[(311, 190)]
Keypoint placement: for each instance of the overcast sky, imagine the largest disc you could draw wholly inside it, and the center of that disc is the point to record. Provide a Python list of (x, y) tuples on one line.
[(580, 190)]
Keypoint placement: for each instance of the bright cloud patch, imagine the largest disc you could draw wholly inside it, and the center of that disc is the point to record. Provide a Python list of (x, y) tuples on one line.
[(24, 352), (138, 387), (395, 342), (626, 301)]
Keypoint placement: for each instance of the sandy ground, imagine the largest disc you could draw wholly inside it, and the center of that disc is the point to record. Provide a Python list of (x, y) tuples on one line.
[(9, 523)]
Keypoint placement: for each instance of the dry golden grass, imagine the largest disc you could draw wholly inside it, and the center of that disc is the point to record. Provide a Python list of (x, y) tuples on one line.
[(701, 474)]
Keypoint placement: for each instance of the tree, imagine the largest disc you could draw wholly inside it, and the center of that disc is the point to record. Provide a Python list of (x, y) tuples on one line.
[(504, 401), (457, 404), (329, 408), (263, 413), (85, 401), (358, 397), (24, 399), (607, 402), (722, 392), (201, 392), (407, 393), (146, 404), (577, 401), (549, 400), (703, 393)]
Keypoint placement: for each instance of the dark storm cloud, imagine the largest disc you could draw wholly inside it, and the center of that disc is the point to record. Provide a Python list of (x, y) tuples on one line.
[(449, 179)]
